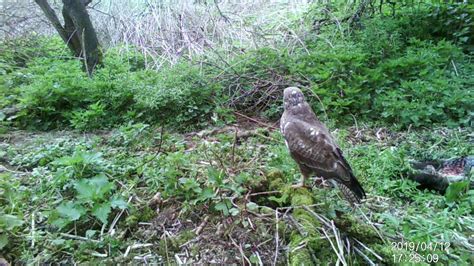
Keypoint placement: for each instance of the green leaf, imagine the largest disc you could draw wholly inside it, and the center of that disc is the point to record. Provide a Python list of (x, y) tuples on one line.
[(94, 188), (223, 206), (279, 200), (234, 211), (2, 116), (3, 240), (90, 233), (455, 190), (102, 184), (118, 203), (8, 221), (58, 242), (71, 211), (84, 190), (101, 211), (252, 206), (254, 259)]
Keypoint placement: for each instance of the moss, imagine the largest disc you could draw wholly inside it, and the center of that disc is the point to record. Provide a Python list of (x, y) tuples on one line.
[(363, 232), (275, 180), (172, 245), (388, 253), (146, 214), (183, 237), (299, 256), (131, 221), (322, 248), (301, 196), (309, 225)]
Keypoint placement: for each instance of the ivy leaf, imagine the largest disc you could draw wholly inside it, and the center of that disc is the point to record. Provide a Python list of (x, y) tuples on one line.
[(101, 211)]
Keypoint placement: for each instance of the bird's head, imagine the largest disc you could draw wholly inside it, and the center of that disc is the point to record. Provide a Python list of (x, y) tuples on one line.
[(293, 97)]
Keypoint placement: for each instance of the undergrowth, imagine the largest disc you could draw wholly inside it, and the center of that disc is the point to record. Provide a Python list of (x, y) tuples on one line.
[(103, 189), (394, 70)]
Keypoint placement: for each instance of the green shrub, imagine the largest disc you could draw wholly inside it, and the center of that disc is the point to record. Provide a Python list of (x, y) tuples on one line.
[(338, 78), (178, 96), (53, 92), (408, 69)]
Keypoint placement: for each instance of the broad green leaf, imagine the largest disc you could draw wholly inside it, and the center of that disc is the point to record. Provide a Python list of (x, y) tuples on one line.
[(234, 211), (102, 185), (70, 210), (207, 193), (58, 242), (90, 233), (252, 206), (84, 190), (101, 211), (3, 240), (118, 203), (223, 206), (99, 180), (8, 221)]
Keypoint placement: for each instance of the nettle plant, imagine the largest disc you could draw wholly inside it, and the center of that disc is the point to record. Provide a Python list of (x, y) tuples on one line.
[(89, 195), (93, 197)]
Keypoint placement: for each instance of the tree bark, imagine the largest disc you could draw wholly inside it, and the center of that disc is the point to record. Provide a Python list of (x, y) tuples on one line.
[(75, 12), (77, 32)]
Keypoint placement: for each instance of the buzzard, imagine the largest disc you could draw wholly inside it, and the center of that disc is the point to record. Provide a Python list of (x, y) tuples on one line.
[(313, 148)]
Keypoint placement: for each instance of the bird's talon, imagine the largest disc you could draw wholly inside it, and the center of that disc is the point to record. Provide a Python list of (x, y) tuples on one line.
[(299, 185)]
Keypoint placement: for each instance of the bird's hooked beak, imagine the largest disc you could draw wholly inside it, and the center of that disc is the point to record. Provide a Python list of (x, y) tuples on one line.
[(292, 97)]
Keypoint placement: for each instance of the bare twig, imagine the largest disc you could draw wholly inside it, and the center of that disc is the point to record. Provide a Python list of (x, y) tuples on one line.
[(78, 237), (255, 120), (277, 239)]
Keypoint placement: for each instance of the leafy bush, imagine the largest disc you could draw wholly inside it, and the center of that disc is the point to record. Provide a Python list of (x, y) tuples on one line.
[(416, 89), (178, 95), (52, 92), (408, 69), (454, 21)]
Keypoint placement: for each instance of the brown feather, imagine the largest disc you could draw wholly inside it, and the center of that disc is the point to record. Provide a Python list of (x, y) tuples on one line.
[(312, 146)]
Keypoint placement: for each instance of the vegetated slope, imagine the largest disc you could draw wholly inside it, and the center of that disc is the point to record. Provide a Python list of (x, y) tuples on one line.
[(134, 195)]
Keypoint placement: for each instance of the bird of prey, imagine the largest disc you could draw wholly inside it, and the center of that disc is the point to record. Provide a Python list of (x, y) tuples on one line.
[(313, 148)]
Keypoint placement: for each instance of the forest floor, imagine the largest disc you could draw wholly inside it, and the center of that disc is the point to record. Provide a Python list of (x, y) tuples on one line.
[(224, 196)]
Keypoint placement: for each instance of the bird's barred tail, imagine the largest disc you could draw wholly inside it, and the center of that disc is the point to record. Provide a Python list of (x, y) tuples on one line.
[(352, 190)]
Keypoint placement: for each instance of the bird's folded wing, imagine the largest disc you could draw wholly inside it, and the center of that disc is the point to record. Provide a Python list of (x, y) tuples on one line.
[(312, 146)]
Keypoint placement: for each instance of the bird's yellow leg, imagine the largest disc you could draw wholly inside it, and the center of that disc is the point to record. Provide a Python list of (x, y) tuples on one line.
[(301, 183)]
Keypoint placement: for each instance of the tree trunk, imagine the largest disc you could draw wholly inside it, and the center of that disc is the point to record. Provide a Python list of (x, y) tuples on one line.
[(77, 32)]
